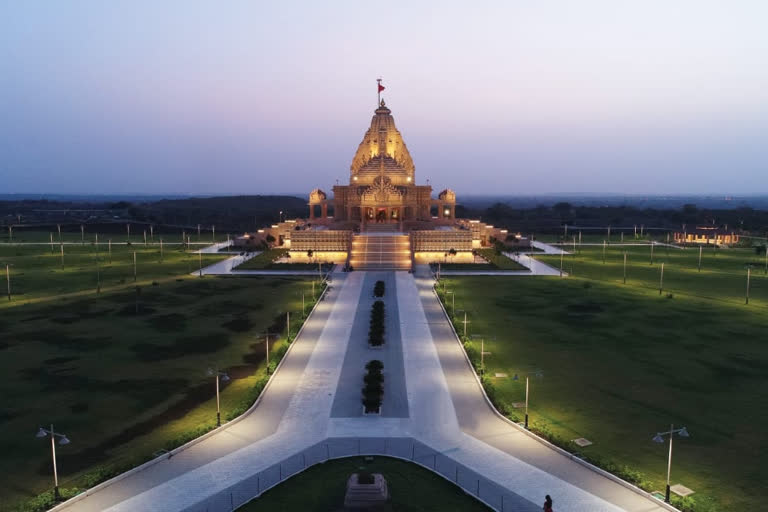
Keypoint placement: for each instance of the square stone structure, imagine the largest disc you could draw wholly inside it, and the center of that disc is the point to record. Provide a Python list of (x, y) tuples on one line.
[(382, 183)]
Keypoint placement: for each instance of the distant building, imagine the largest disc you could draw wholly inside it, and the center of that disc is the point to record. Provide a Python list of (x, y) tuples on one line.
[(709, 235)]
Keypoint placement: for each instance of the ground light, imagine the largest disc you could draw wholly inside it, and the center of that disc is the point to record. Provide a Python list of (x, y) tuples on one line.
[(659, 438), (62, 441), (223, 377)]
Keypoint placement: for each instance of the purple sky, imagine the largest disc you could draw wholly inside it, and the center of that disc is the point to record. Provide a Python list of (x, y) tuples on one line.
[(511, 97)]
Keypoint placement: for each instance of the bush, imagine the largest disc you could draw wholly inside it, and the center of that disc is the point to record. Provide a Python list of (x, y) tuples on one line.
[(378, 289), (374, 364), (376, 330), (373, 391)]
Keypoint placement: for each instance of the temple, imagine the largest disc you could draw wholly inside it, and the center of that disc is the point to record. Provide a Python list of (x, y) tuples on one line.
[(382, 183), (382, 219)]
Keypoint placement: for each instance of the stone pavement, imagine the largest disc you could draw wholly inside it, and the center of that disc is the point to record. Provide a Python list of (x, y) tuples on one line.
[(306, 415)]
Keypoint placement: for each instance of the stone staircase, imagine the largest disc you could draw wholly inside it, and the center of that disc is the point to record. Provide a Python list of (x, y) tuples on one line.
[(380, 251), (383, 227)]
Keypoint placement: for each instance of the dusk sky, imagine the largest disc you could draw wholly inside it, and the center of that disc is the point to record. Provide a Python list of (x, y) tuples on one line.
[(590, 96)]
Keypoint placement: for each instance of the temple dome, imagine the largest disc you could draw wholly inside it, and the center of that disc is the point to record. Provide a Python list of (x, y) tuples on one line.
[(382, 148)]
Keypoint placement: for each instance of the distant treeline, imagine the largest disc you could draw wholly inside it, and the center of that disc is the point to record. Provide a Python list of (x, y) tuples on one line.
[(544, 219), (247, 213)]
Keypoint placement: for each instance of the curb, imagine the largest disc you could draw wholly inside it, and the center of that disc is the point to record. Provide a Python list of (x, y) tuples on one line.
[(189, 444), (541, 440)]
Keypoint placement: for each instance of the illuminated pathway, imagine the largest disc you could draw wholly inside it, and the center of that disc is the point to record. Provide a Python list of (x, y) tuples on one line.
[(437, 416)]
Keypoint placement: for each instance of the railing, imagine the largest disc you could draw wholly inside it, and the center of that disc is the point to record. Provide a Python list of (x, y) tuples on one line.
[(404, 448)]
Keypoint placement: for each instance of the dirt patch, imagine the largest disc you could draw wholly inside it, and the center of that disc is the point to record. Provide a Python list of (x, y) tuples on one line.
[(172, 322), (61, 340), (180, 347), (240, 323), (132, 310), (60, 360)]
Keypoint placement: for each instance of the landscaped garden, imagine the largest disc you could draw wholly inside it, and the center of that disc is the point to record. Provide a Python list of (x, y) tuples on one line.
[(321, 488), (124, 374), (267, 260), (618, 363), (494, 260)]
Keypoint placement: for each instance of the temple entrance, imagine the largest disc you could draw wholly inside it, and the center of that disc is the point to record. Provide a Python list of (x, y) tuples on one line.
[(381, 215)]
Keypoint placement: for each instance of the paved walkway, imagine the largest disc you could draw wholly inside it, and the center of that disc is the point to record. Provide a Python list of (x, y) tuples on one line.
[(307, 414)]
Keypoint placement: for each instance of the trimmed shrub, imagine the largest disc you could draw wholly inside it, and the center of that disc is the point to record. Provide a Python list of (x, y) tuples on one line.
[(373, 391), (376, 330), (378, 289)]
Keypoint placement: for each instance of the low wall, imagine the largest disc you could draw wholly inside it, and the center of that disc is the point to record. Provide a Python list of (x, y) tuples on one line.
[(321, 256)]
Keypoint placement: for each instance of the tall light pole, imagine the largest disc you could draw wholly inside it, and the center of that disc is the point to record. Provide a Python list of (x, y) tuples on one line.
[(8, 278), (453, 302), (661, 278), (134, 266), (625, 267), (659, 438), (746, 300), (536, 373), (62, 441), (465, 322), (701, 248), (224, 378), (200, 256)]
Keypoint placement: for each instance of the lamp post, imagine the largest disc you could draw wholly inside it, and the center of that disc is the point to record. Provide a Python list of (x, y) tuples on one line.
[(453, 302), (535, 373), (8, 278), (62, 441), (224, 378), (659, 438)]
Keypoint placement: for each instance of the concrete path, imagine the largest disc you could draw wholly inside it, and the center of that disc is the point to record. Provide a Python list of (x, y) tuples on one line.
[(438, 417)]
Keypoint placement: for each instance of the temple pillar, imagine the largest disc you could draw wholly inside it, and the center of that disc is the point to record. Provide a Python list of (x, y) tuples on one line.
[(311, 212), (453, 211), (324, 211)]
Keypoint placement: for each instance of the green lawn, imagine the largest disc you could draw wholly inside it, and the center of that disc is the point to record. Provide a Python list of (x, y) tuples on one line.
[(620, 363), (723, 276), (37, 272), (495, 262), (123, 385), (117, 233), (321, 488)]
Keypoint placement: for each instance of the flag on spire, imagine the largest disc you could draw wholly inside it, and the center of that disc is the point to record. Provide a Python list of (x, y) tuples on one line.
[(381, 87)]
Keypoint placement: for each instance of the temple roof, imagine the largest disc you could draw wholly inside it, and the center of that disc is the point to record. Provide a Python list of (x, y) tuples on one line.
[(382, 146)]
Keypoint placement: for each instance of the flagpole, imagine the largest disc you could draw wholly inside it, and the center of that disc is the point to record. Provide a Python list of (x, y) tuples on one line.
[(378, 92)]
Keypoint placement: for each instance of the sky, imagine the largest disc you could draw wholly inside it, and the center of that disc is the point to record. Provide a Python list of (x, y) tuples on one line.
[(257, 97)]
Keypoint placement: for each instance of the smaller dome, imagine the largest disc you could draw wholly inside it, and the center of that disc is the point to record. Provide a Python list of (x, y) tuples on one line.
[(447, 195), (317, 195)]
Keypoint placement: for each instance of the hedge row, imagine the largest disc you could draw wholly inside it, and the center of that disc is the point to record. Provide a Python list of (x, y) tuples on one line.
[(373, 390), (376, 330)]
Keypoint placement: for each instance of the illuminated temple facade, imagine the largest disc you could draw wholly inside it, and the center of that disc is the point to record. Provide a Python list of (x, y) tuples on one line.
[(382, 183), (382, 219)]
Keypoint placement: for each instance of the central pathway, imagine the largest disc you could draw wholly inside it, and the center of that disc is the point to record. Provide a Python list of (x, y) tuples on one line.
[(434, 412)]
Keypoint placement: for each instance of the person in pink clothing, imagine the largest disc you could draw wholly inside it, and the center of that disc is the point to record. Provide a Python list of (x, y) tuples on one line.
[(548, 504)]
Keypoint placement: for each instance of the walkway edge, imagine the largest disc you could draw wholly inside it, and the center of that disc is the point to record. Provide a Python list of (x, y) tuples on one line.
[(189, 444), (541, 440)]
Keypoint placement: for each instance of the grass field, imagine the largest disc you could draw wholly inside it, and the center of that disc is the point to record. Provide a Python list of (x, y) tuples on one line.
[(723, 276), (620, 363), (123, 385), (37, 272), (118, 233), (322, 487), (494, 262)]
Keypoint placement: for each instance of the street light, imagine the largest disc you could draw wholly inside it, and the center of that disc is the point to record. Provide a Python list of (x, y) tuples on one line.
[(224, 378), (535, 373), (659, 438), (62, 441), (453, 302), (8, 278)]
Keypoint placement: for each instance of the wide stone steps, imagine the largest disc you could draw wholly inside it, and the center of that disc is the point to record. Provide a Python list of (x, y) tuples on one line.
[(380, 251)]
